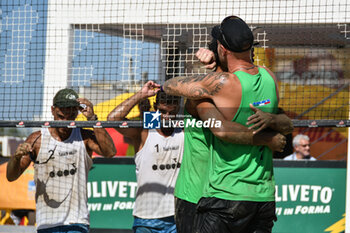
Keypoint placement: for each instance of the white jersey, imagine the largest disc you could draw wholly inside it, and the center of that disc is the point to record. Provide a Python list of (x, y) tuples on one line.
[(157, 167), (60, 178)]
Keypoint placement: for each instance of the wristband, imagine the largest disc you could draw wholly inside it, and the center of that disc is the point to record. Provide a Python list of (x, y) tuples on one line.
[(161, 88), (93, 118)]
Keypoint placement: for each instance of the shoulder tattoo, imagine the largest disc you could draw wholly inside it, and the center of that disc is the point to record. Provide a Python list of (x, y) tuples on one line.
[(208, 84)]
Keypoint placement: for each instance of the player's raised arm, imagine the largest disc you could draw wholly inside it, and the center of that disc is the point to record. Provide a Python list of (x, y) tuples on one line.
[(98, 139), (122, 110), (196, 86)]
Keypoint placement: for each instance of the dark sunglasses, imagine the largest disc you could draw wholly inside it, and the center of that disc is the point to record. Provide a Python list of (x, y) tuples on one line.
[(50, 152)]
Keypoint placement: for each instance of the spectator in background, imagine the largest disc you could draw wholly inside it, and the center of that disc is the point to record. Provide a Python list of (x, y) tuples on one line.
[(301, 144)]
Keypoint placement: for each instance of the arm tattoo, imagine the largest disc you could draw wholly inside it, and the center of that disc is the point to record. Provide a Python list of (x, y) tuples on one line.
[(196, 86)]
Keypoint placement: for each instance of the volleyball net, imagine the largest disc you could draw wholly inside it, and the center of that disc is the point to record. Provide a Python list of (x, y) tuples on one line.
[(106, 50)]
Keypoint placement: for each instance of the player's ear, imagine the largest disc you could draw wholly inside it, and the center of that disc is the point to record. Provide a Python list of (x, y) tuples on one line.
[(223, 49), (52, 109)]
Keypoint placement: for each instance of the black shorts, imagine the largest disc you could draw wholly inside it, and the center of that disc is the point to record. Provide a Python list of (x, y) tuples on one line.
[(217, 215), (184, 215)]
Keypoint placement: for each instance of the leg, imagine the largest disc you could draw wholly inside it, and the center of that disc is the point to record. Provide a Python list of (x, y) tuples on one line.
[(73, 228), (218, 215), (142, 225), (264, 218), (141, 230), (157, 225), (184, 215), (208, 222)]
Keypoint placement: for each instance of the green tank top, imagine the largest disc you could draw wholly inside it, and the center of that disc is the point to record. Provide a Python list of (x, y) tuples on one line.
[(245, 172), (194, 166)]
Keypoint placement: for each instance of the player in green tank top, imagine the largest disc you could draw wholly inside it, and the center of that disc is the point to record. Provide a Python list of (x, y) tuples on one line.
[(194, 168), (246, 174), (239, 192), (189, 186), (191, 179), (190, 183)]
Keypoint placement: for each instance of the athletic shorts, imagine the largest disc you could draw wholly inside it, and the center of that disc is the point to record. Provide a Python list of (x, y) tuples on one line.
[(184, 215), (73, 228), (157, 225), (217, 215)]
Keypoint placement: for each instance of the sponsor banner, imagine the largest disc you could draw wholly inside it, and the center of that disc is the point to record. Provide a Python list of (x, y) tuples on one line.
[(308, 199), (111, 193)]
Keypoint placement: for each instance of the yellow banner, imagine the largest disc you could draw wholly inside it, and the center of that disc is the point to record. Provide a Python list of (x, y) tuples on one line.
[(19, 194)]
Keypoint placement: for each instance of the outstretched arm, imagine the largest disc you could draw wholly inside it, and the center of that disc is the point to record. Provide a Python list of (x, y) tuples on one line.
[(236, 133), (196, 86)]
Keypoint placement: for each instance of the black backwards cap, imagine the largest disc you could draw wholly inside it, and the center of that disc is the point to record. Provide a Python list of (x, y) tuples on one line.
[(234, 34)]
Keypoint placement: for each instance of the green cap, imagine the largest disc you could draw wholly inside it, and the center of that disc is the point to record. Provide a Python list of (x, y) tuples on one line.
[(66, 98)]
